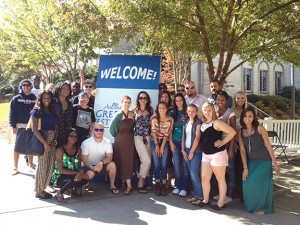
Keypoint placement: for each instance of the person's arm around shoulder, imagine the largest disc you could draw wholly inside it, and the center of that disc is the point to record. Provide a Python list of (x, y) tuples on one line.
[(243, 155), (185, 156), (220, 125), (263, 132)]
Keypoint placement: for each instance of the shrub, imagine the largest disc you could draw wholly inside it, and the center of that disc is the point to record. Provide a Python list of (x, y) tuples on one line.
[(252, 98)]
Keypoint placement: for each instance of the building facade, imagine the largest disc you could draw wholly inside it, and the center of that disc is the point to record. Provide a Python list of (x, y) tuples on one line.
[(260, 78)]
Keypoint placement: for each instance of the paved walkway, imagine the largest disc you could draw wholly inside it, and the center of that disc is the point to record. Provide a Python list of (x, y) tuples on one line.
[(98, 206)]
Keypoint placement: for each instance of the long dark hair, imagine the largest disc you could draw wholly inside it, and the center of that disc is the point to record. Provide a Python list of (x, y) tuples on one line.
[(58, 88), (175, 107), (255, 122), (169, 103), (67, 134), (158, 114), (137, 106), (40, 105)]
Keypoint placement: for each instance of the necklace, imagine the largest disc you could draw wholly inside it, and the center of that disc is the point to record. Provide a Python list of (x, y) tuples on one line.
[(249, 140), (208, 122), (142, 111)]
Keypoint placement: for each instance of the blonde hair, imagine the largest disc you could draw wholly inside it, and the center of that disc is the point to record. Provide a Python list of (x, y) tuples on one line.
[(234, 105), (214, 113)]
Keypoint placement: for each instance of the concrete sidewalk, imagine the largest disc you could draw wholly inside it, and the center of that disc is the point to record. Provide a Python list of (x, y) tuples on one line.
[(100, 206)]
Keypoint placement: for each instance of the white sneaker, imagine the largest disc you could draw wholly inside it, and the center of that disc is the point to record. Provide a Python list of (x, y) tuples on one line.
[(227, 199), (182, 193), (216, 197), (175, 191)]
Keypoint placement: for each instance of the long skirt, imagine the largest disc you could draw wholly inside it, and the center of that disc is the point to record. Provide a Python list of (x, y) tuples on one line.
[(258, 187)]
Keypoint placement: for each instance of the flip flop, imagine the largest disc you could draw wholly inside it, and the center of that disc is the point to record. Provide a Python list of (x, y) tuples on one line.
[(15, 172), (115, 191)]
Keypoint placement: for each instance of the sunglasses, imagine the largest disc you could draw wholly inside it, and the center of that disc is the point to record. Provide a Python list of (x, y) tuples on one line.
[(98, 130), (88, 86), (73, 136), (187, 88), (180, 90), (26, 85), (141, 98)]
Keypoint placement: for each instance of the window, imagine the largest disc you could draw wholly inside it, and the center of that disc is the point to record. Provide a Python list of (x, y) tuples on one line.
[(278, 83), (263, 80), (247, 79)]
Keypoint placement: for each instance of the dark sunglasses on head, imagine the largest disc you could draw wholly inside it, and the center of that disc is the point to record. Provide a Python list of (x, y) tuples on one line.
[(180, 90), (89, 86), (141, 98), (187, 88), (26, 85), (99, 130), (73, 136)]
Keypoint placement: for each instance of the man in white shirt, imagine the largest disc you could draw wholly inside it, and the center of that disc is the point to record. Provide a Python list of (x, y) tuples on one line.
[(97, 153), (36, 85), (192, 97)]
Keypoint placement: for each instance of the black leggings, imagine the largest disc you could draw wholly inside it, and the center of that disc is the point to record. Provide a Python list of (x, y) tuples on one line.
[(66, 182)]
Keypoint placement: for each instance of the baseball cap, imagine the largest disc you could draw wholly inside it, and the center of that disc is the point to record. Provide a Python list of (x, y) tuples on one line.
[(36, 78)]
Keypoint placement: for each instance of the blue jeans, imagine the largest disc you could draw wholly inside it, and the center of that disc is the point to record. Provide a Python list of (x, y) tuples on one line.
[(180, 168), (194, 168), (231, 173), (159, 163)]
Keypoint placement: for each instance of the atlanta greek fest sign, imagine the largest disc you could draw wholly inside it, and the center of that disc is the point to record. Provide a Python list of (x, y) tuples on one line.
[(120, 75)]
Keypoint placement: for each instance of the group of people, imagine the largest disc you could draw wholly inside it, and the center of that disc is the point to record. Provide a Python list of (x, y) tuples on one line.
[(190, 138)]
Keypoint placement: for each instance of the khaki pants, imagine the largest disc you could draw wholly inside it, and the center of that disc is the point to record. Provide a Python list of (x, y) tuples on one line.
[(144, 153)]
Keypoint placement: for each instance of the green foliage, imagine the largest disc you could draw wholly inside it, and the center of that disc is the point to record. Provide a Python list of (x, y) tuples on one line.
[(53, 38), (206, 29), (287, 93), (276, 106)]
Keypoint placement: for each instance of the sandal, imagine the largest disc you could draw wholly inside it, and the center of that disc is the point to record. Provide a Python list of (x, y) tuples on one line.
[(258, 212), (124, 186), (127, 191), (143, 190), (14, 172), (43, 195), (192, 199), (217, 208), (115, 191), (60, 198)]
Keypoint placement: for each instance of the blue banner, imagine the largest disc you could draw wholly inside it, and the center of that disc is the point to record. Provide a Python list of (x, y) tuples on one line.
[(129, 71)]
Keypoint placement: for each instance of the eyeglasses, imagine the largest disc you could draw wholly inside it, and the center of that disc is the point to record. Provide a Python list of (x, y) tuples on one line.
[(187, 88), (180, 90), (73, 136), (88, 86), (141, 98), (99, 130), (26, 85)]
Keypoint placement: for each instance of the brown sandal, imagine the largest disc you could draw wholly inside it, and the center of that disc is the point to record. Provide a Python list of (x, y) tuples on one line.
[(123, 186), (127, 191)]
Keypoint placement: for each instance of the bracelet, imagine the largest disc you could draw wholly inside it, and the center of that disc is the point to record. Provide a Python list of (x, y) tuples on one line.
[(156, 144)]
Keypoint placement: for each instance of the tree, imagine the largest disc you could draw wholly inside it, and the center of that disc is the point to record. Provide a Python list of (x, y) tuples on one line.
[(56, 37), (252, 29)]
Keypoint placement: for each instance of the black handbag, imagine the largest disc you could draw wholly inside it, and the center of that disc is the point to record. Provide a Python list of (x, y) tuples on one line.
[(27, 143)]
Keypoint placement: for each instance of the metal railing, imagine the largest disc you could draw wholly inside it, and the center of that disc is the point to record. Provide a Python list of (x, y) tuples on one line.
[(287, 130), (258, 109)]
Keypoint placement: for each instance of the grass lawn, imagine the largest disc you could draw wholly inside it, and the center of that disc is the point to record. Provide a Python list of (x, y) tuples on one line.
[(4, 110)]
